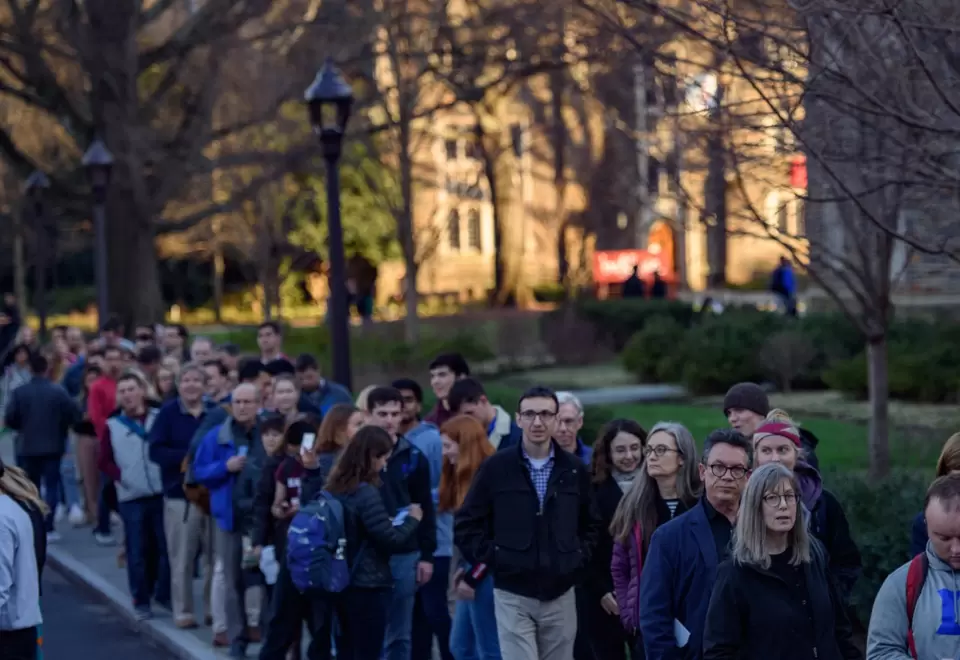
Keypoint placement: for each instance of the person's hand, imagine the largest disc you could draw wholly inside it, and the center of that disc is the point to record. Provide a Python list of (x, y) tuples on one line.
[(458, 575), (465, 591), (235, 463), (292, 509), (415, 512), (424, 572), (279, 511), (609, 605)]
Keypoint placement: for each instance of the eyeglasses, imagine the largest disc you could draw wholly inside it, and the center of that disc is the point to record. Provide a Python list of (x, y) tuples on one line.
[(568, 421), (774, 499), (659, 450), (736, 471), (544, 415)]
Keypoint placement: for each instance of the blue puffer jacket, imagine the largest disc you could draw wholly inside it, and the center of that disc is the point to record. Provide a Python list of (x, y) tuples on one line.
[(210, 468)]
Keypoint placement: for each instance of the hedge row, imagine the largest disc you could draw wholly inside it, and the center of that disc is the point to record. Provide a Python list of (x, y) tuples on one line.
[(668, 341)]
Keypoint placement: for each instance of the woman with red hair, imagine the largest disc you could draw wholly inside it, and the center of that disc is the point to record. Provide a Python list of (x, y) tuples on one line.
[(474, 634)]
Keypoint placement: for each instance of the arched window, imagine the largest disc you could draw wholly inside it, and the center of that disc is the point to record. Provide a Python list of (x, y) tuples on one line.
[(474, 236), (453, 230)]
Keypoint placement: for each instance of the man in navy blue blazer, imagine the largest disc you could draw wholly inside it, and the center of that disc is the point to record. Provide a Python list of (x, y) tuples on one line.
[(681, 564)]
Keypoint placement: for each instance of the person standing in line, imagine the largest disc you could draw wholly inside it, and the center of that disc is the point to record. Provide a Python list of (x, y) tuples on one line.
[(218, 382), (42, 413), (186, 525), (220, 459), (467, 397), (617, 463), (19, 582), (667, 486), (406, 481), (87, 445), (124, 457), (431, 611), (775, 597), (530, 516), (445, 370), (681, 565), (569, 423), (321, 392), (270, 342), (915, 614)]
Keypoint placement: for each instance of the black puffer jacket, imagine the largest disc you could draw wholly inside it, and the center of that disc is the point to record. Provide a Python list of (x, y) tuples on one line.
[(264, 524), (372, 537)]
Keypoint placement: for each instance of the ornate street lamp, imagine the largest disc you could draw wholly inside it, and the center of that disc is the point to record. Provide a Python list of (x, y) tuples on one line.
[(98, 162), (330, 100)]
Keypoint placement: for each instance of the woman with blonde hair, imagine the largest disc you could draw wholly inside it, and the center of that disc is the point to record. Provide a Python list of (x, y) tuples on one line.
[(362, 397), (948, 463), (15, 484), (667, 485), (775, 596)]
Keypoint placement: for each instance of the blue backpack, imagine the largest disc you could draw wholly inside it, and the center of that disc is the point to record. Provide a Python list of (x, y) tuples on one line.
[(317, 547)]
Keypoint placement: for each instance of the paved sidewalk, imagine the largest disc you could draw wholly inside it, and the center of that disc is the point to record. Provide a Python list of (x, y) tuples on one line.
[(79, 559)]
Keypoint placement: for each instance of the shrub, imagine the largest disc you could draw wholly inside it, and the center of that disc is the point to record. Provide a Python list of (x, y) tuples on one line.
[(618, 320), (882, 532), (848, 376), (834, 337), (571, 339), (721, 350), (549, 293), (594, 419), (785, 355), (650, 348)]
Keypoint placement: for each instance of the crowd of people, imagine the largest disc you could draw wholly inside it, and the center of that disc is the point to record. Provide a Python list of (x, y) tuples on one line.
[(380, 529)]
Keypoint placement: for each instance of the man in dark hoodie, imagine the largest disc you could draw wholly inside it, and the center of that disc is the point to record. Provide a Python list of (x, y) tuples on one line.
[(406, 481), (746, 407)]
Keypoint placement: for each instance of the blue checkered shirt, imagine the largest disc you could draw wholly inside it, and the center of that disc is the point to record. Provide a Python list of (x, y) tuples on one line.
[(540, 476)]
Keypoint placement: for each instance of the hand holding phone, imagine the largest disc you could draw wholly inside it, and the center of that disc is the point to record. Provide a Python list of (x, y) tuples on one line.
[(243, 451), (308, 441)]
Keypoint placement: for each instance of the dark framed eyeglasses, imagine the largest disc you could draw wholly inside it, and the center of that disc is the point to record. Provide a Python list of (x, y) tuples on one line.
[(544, 415), (774, 499), (659, 451), (719, 470)]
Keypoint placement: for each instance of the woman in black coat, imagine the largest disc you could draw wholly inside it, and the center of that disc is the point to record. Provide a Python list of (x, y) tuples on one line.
[(617, 460), (775, 597)]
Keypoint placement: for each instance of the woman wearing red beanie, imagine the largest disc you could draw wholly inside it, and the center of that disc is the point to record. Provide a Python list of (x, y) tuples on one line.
[(778, 440)]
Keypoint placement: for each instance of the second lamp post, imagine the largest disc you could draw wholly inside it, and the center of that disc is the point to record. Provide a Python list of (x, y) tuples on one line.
[(98, 161), (330, 100)]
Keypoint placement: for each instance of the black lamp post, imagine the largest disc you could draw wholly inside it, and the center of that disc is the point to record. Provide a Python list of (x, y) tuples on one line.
[(330, 99), (36, 187), (98, 161)]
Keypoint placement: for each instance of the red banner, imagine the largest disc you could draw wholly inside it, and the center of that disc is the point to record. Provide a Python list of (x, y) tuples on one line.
[(614, 266), (798, 172)]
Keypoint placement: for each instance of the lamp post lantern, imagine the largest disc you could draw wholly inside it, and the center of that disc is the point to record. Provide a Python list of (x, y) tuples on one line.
[(329, 100), (36, 187), (98, 162)]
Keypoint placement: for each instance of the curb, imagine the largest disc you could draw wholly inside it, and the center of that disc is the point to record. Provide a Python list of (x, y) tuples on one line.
[(182, 646)]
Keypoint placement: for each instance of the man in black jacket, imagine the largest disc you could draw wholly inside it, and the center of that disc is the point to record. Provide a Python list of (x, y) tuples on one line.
[(530, 518), (43, 413), (406, 481)]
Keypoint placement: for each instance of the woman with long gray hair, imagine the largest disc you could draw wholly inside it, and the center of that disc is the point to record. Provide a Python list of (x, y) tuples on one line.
[(667, 485), (775, 597)]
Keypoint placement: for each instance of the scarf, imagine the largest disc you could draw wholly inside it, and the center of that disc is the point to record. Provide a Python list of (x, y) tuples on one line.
[(625, 479)]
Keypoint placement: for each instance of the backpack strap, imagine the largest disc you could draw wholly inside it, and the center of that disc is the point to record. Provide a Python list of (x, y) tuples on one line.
[(916, 576), (133, 426)]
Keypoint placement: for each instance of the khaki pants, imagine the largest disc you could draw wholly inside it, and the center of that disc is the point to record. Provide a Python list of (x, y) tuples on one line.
[(530, 629), (188, 531)]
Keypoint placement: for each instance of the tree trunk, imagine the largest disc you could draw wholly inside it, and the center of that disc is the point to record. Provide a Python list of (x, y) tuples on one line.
[(879, 390), (19, 267), (132, 268), (408, 243), (218, 269)]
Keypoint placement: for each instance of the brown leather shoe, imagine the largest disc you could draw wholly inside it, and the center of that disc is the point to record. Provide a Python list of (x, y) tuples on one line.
[(220, 640), (253, 635)]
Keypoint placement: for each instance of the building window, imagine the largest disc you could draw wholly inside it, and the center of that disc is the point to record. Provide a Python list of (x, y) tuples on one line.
[(801, 213), (452, 149), (453, 230), (474, 239), (653, 176), (783, 218)]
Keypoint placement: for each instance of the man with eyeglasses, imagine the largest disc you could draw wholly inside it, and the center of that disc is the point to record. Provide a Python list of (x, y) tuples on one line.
[(529, 517), (569, 423), (681, 563)]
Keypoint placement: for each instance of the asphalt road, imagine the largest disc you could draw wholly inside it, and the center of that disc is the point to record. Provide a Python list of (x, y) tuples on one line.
[(77, 626)]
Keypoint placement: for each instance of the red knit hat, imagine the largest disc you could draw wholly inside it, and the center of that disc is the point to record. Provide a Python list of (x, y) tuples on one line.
[(781, 429)]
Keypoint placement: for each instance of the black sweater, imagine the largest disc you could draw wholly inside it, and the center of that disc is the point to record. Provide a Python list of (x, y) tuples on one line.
[(755, 615)]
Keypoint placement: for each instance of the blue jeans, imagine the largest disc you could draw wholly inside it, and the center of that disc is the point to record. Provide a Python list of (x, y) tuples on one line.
[(474, 635), (148, 569), (431, 614), (396, 644), (70, 490), (44, 472)]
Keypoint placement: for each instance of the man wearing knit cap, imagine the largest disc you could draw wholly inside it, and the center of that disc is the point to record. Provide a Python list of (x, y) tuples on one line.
[(746, 406)]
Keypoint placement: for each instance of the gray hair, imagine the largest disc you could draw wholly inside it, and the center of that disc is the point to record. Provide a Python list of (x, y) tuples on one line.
[(193, 367), (202, 340), (639, 504), (750, 536), (571, 398)]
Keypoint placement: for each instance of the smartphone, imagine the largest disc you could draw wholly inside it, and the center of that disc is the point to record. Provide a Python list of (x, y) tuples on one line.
[(308, 440), (242, 451)]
